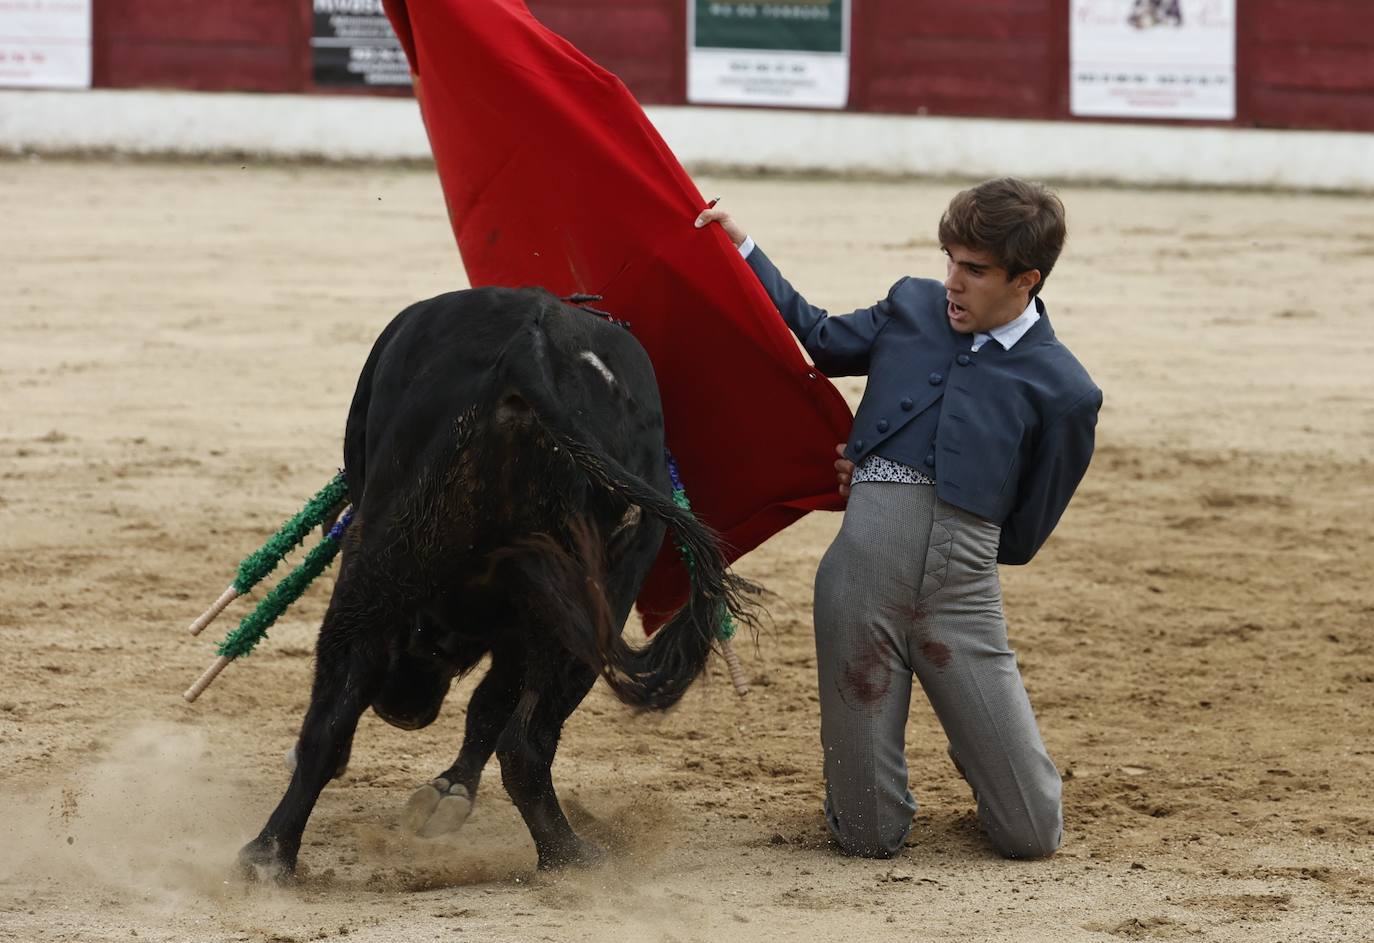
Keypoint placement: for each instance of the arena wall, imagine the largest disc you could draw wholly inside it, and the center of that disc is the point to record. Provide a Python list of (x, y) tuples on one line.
[(1300, 63)]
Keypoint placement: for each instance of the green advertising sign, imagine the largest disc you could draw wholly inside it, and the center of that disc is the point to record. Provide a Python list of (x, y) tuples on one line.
[(787, 53), (773, 25)]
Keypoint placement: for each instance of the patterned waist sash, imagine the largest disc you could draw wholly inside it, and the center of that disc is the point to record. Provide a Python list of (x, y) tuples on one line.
[(877, 468)]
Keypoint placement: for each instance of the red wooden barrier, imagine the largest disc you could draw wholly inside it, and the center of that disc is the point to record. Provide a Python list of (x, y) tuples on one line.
[(1308, 63), (644, 42), (1300, 63), (994, 58), (247, 45)]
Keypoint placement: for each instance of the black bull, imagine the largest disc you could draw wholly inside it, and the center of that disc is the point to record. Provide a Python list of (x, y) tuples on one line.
[(505, 459)]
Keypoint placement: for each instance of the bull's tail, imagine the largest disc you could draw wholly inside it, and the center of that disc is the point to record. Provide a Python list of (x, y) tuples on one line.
[(657, 675)]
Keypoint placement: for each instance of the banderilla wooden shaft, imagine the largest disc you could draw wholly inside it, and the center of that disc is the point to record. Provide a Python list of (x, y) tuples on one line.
[(208, 616), (204, 680), (736, 669)]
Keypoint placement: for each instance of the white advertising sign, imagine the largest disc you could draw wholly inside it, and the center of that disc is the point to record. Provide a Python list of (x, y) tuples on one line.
[(769, 52), (45, 43), (1153, 58)]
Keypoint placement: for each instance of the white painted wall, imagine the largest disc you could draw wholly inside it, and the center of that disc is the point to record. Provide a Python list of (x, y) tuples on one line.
[(361, 128)]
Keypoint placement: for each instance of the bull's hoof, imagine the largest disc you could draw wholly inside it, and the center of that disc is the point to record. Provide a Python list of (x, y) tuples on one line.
[(263, 860), (577, 853), (437, 808)]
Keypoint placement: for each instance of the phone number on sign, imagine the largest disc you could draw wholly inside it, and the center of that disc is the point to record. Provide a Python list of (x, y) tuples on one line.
[(787, 11)]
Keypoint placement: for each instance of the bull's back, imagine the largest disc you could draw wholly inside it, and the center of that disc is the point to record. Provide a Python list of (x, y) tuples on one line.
[(459, 354)]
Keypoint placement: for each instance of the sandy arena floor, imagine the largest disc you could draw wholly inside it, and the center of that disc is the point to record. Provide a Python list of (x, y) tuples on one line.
[(178, 346)]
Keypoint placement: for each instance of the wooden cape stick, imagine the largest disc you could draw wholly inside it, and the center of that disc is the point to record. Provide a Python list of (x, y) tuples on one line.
[(727, 651)]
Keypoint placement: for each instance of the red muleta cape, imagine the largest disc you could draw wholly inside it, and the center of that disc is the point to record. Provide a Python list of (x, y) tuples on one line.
[(553, 176)]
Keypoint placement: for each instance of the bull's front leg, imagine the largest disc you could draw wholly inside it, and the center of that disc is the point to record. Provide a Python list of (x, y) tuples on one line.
[(350, 663)]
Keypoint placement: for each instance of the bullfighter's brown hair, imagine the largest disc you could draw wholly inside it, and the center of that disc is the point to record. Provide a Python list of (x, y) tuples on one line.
[(1021, 224)]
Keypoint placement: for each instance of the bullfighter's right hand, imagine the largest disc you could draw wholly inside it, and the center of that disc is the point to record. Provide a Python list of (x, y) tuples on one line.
[(732, 229)]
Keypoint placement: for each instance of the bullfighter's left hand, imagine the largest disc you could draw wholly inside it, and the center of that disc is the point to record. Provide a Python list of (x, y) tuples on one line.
[(844, 470)]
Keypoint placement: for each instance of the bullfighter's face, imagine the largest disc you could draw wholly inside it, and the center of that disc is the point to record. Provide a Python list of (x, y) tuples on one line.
[(980, 295)]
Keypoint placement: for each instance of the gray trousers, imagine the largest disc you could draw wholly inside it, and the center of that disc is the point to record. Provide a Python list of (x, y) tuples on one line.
[(910, 587)]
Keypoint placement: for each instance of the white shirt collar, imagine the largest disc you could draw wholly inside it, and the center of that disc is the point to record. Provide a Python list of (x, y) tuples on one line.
[(1011, 332)]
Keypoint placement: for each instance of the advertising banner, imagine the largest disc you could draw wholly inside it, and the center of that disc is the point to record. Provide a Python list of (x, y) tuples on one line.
[(45, 43), (1153, 58), (352, 44), (769, 52)]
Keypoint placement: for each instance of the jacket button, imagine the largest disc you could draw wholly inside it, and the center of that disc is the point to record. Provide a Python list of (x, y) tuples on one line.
[(963, 360), (858, 445), (906, 405), (882, 425), (930, 459), (936, 379)]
